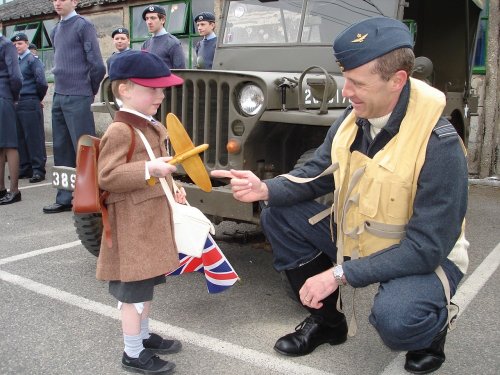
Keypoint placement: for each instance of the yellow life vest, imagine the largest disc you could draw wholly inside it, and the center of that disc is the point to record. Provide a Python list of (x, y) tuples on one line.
[(373, 199)]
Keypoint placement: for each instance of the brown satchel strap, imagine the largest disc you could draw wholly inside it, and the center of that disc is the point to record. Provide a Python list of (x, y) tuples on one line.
[(105, 194)]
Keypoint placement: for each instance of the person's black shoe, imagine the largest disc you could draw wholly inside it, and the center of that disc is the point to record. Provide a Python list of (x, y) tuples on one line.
[(157, 344), (55, 208), (10, 198), (427, 360), (309, 334), (36, 178), (3, 193), (147, 363)]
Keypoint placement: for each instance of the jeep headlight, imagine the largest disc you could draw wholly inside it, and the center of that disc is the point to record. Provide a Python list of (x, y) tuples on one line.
[(251, 99)]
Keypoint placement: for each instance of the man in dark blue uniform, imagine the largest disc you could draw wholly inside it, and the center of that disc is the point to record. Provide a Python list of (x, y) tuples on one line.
[(30, 126), (400, 190), (78, 72)]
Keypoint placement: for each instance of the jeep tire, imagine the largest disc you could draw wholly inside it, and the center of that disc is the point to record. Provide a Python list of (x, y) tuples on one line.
[(89, 231)]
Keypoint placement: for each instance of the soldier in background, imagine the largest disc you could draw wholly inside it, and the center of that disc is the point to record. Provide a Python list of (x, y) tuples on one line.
[(162, 43), (33, 49), (205, 48), (78, 72), (121, 40), (29, 113)]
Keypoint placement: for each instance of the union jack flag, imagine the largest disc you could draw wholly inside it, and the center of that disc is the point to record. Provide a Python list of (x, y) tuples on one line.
[(219, 273)]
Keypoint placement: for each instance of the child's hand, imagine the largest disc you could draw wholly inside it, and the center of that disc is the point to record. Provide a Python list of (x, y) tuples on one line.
[(180, 195), (159, 167)]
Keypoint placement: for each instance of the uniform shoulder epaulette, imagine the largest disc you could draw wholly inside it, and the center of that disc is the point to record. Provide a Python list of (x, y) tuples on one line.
[(445, 130)]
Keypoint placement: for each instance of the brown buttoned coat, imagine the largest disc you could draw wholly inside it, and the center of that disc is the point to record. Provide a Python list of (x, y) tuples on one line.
[(139, 214)]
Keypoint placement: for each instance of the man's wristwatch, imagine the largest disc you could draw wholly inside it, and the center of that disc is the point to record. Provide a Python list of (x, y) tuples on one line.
[(338, 274)]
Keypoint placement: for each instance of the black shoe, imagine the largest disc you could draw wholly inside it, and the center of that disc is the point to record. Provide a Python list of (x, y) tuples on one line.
[(55, 208), (37, 178), (147, 363), (309, 334), (3, 193), (11, 198), (157, 344), (427, 360)]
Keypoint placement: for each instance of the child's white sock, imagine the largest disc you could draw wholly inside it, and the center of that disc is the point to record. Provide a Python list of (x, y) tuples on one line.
[(145, 334), (133, 345)]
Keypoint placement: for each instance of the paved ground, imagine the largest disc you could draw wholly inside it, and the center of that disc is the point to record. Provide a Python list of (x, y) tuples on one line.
[(57, 319)]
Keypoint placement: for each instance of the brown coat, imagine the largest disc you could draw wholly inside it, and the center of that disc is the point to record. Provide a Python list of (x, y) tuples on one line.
[(139, 215)]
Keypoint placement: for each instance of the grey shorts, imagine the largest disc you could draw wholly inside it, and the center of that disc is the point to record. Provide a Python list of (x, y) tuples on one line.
[(135, 291)]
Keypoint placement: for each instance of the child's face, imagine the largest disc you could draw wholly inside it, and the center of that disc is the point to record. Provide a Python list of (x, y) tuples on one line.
[(145, 100)]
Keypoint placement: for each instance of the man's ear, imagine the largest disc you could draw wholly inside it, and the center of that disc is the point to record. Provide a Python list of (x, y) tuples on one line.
[(399, 79)]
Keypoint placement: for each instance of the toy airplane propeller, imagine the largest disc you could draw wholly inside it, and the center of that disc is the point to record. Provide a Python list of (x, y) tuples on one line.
[(187, 154)]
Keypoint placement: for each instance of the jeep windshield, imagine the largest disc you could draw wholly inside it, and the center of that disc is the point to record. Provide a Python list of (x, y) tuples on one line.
[(305, 22)]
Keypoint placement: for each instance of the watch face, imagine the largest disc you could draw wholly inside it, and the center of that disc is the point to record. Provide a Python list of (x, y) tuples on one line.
[(338, 272)]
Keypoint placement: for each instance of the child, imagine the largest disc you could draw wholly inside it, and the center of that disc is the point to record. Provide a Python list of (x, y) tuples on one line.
[(143, 248)]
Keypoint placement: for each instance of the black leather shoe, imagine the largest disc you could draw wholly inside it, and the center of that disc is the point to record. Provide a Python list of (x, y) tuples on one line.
[(55, 208), (10, 198), (427, 360), (3, 193), (309, 334), (37, 178), (158, 344), (147, 363)]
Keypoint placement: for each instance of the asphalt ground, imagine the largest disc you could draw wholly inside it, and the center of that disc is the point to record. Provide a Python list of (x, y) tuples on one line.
[(56, 318)]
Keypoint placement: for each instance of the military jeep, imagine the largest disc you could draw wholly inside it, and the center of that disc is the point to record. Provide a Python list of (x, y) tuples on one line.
[(275, 87)]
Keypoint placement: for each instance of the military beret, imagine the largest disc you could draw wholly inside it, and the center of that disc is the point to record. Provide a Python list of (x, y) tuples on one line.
[(368, 39), (32, 46), (143, 68), (18, 37), (153, 9), (205, 16), (120, 30)]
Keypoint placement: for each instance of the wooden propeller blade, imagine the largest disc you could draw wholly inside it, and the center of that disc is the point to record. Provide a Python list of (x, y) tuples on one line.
[(187, 154)]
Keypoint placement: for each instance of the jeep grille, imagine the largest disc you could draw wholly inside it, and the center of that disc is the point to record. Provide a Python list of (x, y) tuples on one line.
[(201, 104)]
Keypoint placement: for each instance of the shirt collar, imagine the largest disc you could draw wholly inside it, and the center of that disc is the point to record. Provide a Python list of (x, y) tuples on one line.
[(211, 36), (162, 31), (72, 14), (26, 53)]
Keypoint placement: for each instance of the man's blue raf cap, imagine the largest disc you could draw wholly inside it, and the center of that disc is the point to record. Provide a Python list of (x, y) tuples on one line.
[(18, 37), (143, 68), (120, 30), (153, 9), (368, 39), (205, 16)]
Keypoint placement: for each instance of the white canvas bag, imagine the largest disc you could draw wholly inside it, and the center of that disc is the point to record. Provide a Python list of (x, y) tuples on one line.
[(191, 226)]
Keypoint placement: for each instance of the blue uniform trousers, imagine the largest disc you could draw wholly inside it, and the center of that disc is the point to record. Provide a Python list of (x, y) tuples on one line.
[(407, 312), (31, 137), (71, 118)]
